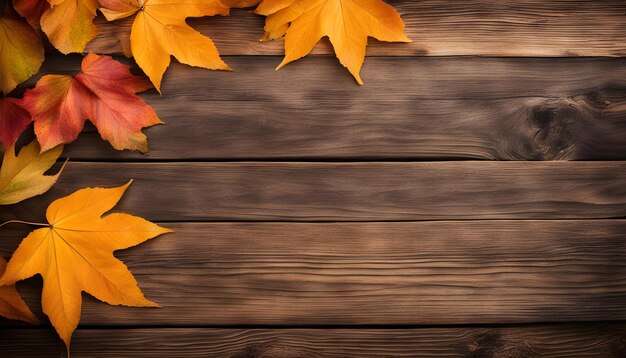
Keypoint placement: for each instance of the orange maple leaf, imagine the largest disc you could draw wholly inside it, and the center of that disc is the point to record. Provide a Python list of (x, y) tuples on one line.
[(159, 31), (347, 23), (104, 93), (75, 253)]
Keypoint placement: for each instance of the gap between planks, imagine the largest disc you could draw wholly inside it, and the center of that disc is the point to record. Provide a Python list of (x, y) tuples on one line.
[(562, 341)]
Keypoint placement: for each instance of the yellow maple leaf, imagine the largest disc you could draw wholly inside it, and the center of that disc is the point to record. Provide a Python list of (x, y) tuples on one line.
[(12, 306), (347, 23), (69, 24), (21, 50), (22, 176), (74, 253), (159, 31)]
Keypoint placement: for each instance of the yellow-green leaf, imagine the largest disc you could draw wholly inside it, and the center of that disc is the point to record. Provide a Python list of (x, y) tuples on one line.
[(22, 176), (21, 50)]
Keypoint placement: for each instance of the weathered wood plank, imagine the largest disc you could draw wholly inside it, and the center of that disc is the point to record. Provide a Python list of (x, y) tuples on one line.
[(513, 109), (470, 272), (555, 341), (350, 191), (440, 28)]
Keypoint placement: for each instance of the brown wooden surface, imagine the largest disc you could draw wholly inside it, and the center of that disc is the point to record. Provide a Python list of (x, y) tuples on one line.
[(555, 341), (440, 28), (463, 108), (432, 273), (380, 235), (350, 191)]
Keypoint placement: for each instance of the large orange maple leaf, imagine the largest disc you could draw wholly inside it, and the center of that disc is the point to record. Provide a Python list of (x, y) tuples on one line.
[(74, 253), (160, 31), (104, 93)]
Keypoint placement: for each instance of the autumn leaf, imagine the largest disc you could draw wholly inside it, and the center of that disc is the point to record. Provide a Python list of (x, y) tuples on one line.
[(264, 8), (75, 253), (12, 306), (159, 31), (68, 23), (21, 50), (13, 120), (240, 3), (347, 23), (31, 10), (104, 93), (268, 7), (22, 176)]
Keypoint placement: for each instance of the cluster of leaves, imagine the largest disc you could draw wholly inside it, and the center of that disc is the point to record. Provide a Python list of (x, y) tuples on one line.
[(103, 92), (159, 31), (73, 251)]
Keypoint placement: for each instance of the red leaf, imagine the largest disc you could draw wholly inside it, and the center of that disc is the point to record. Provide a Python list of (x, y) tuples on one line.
[(31, 10), (13, 120), (104, 93)]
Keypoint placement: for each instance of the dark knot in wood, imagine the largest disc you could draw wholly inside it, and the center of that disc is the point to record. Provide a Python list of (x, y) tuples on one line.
[(568, 128), (554, 128), (491, 345), (617, 347)]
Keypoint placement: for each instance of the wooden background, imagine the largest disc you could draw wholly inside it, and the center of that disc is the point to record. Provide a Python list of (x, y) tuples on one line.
[(469, 200)]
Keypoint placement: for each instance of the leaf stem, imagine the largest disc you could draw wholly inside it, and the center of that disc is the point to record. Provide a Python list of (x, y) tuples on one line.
[(22, 222)]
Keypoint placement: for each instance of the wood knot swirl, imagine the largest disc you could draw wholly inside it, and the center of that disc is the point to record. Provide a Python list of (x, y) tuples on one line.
[(253, 350), (617, 347), (568, 128), (491, 345), (553, 123), (270, 349)]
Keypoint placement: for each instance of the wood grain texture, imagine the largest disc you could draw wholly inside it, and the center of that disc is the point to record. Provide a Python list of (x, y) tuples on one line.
[(419, 108), (551, 341), (350, 191), (477, 270), (433, 273), (439, 28)]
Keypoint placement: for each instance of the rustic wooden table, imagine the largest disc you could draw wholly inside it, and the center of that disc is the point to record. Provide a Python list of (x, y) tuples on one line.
[(468, 200)]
